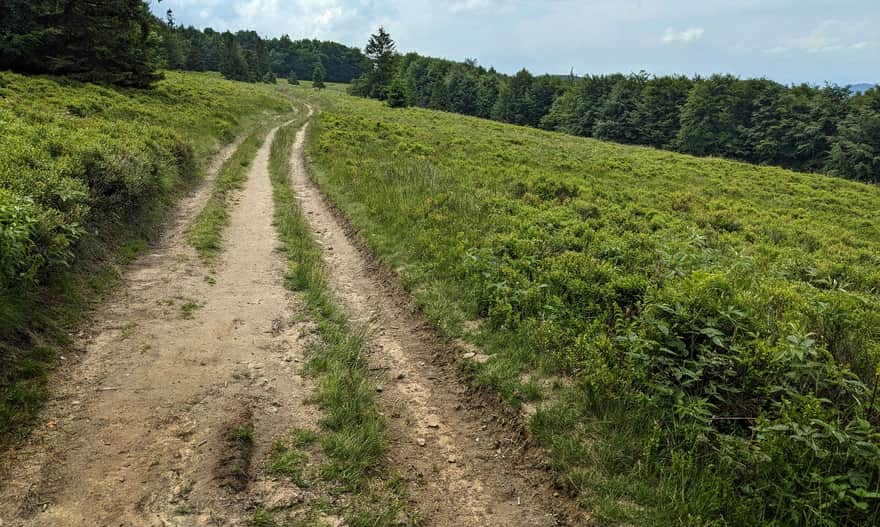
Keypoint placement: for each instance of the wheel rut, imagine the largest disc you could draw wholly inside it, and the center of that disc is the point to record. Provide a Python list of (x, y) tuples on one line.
[(182, 358), (464, 465)]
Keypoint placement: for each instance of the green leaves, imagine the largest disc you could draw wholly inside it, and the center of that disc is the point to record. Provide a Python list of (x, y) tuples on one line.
[(714, 323)]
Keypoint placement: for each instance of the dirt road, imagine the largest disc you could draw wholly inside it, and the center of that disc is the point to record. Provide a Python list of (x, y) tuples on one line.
[(137, 431), (189, 372)]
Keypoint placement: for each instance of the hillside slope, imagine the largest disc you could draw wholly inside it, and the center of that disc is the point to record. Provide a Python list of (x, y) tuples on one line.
[(86, 173), (694, 340)]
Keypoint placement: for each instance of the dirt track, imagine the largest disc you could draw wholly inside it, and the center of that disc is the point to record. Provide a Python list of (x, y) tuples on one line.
[(135, 432), (464, 466), (138, 430)]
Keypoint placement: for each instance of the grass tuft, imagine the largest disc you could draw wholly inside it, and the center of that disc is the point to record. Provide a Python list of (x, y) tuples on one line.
[(353, 431), (206, 232)]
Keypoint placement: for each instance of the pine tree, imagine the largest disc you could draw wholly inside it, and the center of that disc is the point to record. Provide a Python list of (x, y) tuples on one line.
[(397, 94), (318, 76), (233, 65), (292, 79), (380, 51), (111, 41)]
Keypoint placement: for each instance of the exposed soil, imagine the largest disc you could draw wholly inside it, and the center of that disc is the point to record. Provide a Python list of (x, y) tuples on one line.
[(190, 372), (185, 377), (465, 456)]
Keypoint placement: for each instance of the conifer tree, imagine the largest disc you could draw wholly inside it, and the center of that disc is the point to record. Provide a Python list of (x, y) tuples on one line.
[(112, 41), (380, 51), (318, 76)]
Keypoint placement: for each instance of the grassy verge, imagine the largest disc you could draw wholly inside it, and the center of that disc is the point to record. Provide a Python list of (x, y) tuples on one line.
[(700, 337), (352, 436), (87, 174)]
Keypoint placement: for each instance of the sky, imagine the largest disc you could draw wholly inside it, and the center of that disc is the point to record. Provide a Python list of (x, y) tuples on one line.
[(790, 41)]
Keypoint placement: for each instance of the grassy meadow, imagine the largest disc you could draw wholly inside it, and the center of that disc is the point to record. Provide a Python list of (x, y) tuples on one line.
[(695, 339), (86, 173)]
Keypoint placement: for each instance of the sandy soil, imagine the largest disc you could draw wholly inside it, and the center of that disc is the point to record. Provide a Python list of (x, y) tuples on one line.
[(138, 431)]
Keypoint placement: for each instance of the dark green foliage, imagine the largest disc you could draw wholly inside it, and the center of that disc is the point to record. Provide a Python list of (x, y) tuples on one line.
[(708, 123), (109, 41), (701, 336), (381, 52), (86, 172), (342, 63), (656, 115), (577, 110), (397, 95), (487, 93), (855, 151), (292, 78), (318, 77), (191, 49), (514, 104), (616, 118), (756, 120), (233, 64)]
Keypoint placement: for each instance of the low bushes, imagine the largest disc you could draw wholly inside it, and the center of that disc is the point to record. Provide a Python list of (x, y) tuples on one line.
[(701, 336), (86, 169)]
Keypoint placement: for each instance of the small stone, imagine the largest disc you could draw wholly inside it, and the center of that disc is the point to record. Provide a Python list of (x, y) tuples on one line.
[(283, 499), (380, 389), (433, 423), (452, 459), (469, 355), (421, 441)]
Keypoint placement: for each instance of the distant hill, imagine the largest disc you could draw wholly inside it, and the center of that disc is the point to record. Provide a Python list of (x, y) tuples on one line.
[(861, 88)]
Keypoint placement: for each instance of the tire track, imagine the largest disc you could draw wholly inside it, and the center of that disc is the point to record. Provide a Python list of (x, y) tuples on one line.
[(463, 467)]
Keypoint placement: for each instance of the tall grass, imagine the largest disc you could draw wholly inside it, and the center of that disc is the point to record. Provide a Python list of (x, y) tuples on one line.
[(700, 337)]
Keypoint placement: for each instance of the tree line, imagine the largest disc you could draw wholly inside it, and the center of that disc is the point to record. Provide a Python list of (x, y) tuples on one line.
[(245, 56), (121, 42), (802, 127)]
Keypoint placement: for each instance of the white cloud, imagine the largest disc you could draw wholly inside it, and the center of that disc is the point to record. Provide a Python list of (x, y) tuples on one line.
[(829, 36), (823, 39), (687, 35), (463, 6)]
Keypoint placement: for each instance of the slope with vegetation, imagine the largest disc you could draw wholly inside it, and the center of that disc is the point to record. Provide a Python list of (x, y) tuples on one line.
[(699, 336), (85, 174), (809, 128)]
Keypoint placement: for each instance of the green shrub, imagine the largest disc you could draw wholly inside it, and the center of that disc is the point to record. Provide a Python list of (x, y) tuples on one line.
[(85, 170), (708, 331)]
